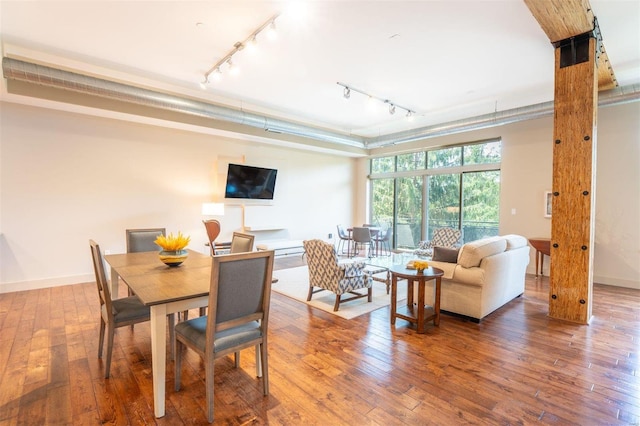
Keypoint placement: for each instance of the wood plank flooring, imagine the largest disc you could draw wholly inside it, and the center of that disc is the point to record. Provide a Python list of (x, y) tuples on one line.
[(516, 367)]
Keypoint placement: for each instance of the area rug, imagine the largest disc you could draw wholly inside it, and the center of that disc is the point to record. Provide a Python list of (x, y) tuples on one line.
[(294, 283)]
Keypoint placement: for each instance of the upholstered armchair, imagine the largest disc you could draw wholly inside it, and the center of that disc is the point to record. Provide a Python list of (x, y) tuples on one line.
[(325, 273), (442, 237)]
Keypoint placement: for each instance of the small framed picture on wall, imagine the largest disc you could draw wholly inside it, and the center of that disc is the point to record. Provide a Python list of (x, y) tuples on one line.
[(548, 195)]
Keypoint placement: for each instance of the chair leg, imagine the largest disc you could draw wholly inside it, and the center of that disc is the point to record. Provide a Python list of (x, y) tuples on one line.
[(265, 369), (101, 342), (258, 361), (310, 293), (107, 368), (370, 294), (236, 359), (177, 367), (171, 320), (337, 304), (209, 384)]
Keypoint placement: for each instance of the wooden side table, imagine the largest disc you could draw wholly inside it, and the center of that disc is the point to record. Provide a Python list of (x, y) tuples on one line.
[(417, 313), (542, 246)]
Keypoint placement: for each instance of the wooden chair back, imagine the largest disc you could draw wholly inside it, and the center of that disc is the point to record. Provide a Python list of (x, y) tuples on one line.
[(139, 240), (241, 243)]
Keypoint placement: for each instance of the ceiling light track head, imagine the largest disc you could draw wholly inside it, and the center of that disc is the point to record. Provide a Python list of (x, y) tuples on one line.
[(240, 45), (392, 105)]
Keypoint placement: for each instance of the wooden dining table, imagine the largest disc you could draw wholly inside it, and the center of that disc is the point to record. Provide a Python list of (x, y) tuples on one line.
[(165, 290)]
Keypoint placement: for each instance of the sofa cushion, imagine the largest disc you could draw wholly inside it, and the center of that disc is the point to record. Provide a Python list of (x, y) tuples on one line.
[(445, 254), (471, 254), (515, 241)]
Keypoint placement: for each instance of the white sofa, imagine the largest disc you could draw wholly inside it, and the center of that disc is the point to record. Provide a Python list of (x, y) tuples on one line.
[(488, 274)]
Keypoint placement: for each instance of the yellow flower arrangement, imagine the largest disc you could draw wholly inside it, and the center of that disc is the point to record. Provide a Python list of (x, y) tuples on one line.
[(420, 265), (172, 243)]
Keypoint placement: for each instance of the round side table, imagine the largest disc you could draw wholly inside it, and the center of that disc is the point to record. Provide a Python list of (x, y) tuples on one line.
[(417, 313)]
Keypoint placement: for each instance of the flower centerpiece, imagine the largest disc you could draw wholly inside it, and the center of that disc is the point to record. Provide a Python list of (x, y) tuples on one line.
[(420, 265), (173, 248)]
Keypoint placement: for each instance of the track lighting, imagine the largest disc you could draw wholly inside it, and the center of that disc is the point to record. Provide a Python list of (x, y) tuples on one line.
[(392, 105), (233, 70), (238, 46), (271, 32), (217, 74)]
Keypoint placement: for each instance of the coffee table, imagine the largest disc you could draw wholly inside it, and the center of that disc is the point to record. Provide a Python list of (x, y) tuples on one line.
[(417, 313), (377, 265)]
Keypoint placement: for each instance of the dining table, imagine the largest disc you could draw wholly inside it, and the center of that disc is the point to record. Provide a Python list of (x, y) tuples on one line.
[(165, 290)]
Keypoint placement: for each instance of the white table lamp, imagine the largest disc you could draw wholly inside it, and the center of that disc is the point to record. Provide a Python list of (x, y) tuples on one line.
[(212, 209)]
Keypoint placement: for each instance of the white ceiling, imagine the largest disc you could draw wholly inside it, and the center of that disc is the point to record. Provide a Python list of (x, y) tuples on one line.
[(446, 60)]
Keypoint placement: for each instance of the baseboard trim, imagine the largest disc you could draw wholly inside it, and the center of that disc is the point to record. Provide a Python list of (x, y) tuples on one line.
[(45, 283)]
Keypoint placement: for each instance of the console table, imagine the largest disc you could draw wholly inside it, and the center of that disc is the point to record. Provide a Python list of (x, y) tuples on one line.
[(542, 246)]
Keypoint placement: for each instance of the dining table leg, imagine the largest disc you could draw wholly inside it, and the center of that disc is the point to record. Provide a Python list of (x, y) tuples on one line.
[(115, 278), (158, 356)]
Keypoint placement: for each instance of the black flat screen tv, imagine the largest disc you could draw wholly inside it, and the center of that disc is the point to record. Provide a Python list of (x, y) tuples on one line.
[(250, 183)]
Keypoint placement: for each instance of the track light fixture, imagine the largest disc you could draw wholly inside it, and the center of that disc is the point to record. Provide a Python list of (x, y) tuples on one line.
[(238, 46), (392, 105)]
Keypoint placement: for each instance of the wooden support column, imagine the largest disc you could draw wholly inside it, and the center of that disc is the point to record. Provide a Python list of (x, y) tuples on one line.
[(574, 163), (581, 68)]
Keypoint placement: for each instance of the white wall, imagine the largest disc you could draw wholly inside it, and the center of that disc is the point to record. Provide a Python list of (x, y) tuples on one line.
[(65, 178), (527, 172)]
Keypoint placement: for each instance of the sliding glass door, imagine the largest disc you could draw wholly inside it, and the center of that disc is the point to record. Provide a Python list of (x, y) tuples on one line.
[(457, 187)]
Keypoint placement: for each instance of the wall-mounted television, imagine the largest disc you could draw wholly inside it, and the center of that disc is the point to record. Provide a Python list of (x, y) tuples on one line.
[(250, 183)]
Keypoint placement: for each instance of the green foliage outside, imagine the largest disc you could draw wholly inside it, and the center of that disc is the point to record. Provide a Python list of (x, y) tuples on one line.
[(479, 192)]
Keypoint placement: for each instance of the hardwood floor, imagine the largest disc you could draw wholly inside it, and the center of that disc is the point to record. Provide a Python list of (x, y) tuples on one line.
[(516, 367)]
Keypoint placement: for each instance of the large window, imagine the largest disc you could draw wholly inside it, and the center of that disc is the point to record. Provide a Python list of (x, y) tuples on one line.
[(457, 187)]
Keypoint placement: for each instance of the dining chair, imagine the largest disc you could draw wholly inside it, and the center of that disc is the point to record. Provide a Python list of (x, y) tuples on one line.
[(139, 240), (143, 239), (344, 237), (383, 240), (241, 243), (212, 227), (238, 318), (113, 313), (362, 237)]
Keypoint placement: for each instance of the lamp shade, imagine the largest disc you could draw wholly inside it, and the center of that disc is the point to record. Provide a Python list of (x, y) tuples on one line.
[(212, 209)]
